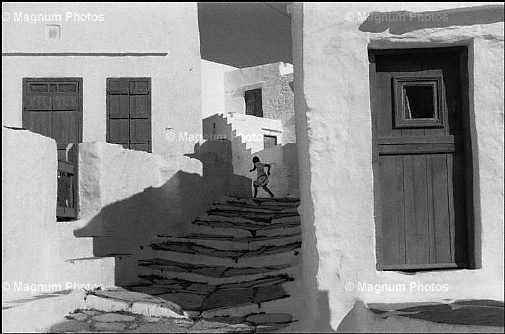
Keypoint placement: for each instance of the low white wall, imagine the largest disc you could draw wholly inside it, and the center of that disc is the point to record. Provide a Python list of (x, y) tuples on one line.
[(29, 165), (335, 150), (35, 247), (129, 197)]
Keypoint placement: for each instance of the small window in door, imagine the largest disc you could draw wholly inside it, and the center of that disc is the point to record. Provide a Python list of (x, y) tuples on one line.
[(253, 102), (269, 141), (417, 102), (129, 113)]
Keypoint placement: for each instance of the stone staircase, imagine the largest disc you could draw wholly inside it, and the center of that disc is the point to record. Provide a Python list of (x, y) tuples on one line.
[(240, 262)]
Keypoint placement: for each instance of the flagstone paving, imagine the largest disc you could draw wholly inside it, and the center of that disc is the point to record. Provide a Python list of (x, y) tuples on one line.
[(99, 321), (232, 273)]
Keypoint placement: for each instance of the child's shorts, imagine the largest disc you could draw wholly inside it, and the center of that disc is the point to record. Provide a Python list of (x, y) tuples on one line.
[(261, 181)]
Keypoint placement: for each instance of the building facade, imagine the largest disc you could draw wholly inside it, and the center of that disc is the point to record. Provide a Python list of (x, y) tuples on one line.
[(121, 74), (400, 138)]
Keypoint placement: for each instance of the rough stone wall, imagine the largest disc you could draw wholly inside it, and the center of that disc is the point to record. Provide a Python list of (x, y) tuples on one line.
[(277, 95), (335, 149)]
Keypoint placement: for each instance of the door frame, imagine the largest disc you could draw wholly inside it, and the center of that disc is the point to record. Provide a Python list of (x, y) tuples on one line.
[(467, 142)]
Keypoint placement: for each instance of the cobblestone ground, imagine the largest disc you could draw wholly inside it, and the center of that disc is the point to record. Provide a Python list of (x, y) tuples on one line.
[(92, 321)]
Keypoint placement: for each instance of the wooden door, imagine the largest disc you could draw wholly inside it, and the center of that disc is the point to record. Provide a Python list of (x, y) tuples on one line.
[(53, 107), (422, 158), (129, 113)]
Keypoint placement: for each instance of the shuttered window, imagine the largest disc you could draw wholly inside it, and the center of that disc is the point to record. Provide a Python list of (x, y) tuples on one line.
[(253, 102), (129, 113), (269, 141)]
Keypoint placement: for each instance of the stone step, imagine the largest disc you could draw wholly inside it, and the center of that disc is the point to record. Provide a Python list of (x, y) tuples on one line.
[(208, 300), (72, 248), (254, 216), (100, 271), (272, 305), (121, 300), (228, 227), (232, 243), (260, 200), (195, 254), (253, 203), (253, 210), (230, 230), (216, 275), (82, 320)]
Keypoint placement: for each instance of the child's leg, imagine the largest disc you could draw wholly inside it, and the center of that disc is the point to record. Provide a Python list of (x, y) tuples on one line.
[(255, 191), (268, 191)]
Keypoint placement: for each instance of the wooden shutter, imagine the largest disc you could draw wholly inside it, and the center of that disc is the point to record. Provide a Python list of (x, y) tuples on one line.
[(129, 112), (269, 141), (253, 102), (53, 107)]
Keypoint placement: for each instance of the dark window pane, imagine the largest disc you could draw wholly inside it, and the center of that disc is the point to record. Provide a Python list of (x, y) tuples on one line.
[(419, 102), (67, 88), (253, 102), (38, 88)]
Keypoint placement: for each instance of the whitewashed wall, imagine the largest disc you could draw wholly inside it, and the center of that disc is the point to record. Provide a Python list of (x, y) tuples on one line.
[(335, 151), (160, 41)]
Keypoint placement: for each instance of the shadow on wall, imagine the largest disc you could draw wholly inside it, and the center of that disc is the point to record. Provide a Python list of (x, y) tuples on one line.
[(122, 228), (401, 22)]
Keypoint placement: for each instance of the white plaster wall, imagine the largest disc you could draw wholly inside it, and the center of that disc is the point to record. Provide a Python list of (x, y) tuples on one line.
[(169, 30), (213, 87), (131, 196), (248, 129), (35, 248), (28, 207), (335, 151)]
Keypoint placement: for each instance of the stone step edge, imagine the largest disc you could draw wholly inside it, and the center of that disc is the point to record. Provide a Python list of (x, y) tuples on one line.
[(201, 278), (269, 259), (239, 244), (241, 310), (161, 309)]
